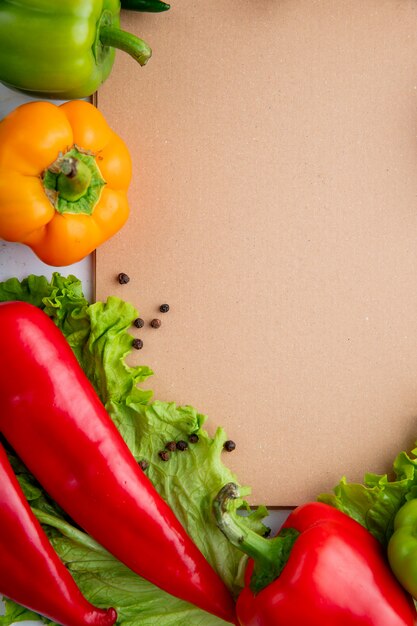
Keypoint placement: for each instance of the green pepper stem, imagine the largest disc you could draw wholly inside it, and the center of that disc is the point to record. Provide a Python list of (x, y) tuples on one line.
[(234, 527), (73, 180), (121, 39), (269, 555), (149, 6)]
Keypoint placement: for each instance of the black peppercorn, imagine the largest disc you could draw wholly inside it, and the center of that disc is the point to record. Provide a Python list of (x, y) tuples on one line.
[(229, 445), (143, 464), (156, 323), (182, 445), (164, 455), (193, 438), (137, 344), (123, 278), (171, 445), (164, 308), (138, 322)]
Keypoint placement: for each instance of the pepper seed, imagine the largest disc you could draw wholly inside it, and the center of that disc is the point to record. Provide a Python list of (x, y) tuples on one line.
[(171, 445), (143, 464), (164, 455), (155, 323), (229, 445), (137, 344), (193, 438), (182, 445), (138, 322), (123, 278), (164, 308)]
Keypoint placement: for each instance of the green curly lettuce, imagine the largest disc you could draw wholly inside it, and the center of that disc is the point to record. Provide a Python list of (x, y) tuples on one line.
[(375, 502), (100, 338)]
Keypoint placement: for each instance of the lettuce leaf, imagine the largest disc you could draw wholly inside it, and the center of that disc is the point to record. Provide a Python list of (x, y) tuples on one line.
[(99, 336), (375, 502)]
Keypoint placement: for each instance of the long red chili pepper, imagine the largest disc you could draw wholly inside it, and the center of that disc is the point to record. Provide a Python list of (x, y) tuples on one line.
[(51, 415), (30, 570)]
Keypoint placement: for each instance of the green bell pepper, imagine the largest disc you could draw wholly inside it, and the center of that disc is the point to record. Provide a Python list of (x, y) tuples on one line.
[(62, 49), (402, 547)]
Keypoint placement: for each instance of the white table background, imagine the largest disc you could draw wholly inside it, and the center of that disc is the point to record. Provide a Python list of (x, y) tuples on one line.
[(19, 261)]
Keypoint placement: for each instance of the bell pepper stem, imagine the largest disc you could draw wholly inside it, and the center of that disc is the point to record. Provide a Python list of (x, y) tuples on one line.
[(269, 555), (73, 179), (233, 526), (121, 39), (73, 183)]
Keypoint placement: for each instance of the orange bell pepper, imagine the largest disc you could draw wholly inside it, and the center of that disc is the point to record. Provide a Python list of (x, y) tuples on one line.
[(64, 177)]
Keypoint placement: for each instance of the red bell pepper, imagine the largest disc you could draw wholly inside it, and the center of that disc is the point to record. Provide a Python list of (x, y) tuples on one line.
[(322, 569), (30, 570), (54, 420)]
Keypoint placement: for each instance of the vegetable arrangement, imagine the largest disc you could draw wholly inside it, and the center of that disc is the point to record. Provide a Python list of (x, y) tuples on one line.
[(92, 470), (323, 567), (94, 525), (64, 174), (100, 339)]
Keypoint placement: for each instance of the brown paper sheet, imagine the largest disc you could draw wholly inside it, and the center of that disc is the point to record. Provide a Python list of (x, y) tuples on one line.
[(274, 207)]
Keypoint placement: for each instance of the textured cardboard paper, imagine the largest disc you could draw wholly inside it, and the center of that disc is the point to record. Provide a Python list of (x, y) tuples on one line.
[(274, 207)]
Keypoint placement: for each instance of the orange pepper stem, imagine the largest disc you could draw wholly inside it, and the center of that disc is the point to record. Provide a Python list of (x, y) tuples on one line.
[(73, 183), (74, 179)]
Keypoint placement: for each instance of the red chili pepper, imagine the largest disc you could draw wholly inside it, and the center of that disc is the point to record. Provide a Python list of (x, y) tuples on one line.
[(323, 569), (52, 417), (31, 572)]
